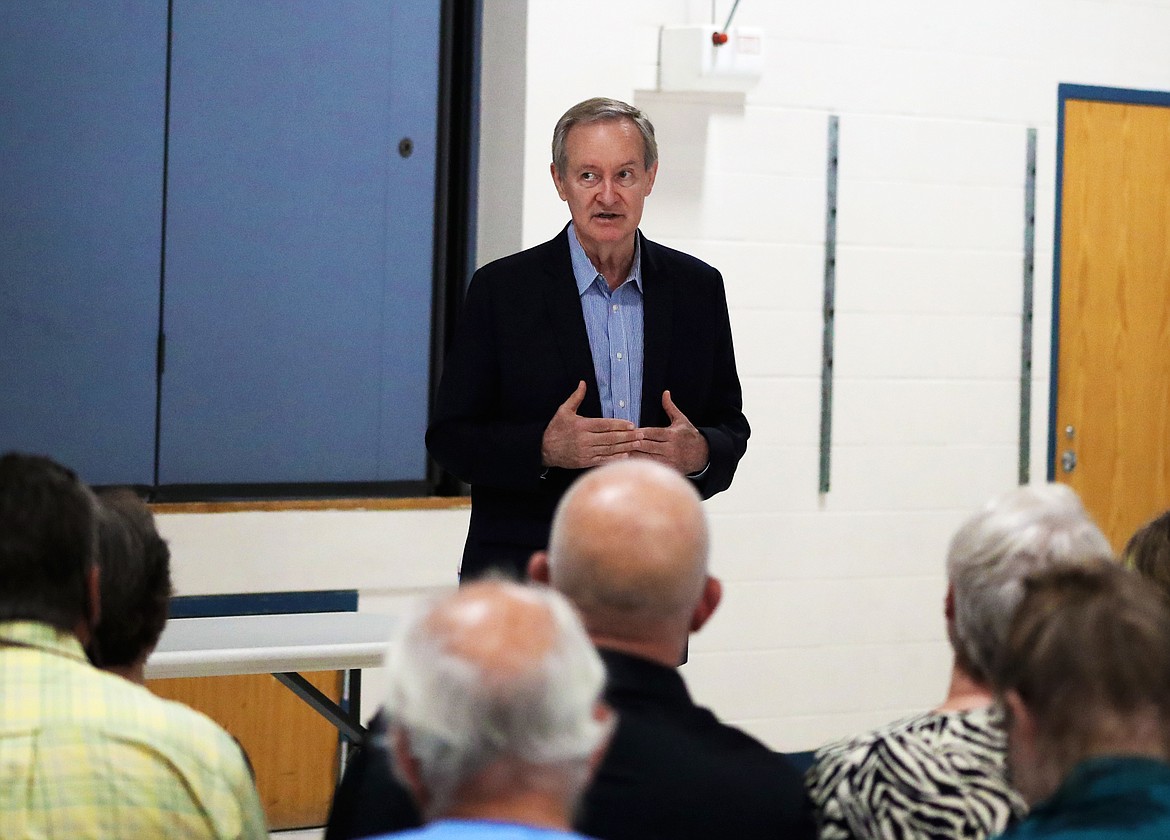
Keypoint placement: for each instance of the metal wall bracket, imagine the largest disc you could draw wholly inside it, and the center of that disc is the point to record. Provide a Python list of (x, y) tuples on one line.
[(829, 307), (1026, 311)]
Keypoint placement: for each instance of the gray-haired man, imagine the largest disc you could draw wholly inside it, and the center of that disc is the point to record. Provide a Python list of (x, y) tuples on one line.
[(495, 712)]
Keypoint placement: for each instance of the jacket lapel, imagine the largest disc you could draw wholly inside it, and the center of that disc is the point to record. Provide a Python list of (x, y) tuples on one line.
[(563, 305), (657, 320)]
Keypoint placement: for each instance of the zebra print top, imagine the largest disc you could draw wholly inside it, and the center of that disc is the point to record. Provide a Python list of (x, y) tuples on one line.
[(934, 775)]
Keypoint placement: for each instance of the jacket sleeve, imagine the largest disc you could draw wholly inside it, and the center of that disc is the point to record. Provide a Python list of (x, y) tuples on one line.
[(470, 434), (723, 423)]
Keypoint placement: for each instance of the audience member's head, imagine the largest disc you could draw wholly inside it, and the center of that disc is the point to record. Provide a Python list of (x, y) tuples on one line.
[(1148, 552), (1024, 531), (47, 545), (135, 584), (494, 705), (1085, 672), (629, 548)]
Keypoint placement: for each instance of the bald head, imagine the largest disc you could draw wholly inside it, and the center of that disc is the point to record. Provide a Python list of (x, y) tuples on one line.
[(495, 684), (502, 631), (629, 548)]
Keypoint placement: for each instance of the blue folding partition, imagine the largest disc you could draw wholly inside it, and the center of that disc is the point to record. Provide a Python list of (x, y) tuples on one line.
[(294, 280), (82, 91), (299, 242)]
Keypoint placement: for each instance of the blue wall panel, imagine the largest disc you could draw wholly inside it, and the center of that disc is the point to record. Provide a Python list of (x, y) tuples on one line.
[(299, 241), (82, 89)]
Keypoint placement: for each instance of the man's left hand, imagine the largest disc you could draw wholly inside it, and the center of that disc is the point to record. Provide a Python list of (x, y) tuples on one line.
[(680, 444)]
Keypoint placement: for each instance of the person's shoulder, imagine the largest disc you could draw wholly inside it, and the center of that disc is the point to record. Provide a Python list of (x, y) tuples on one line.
[(524, 263), (189, 764), (697, 731), (674, 769), (742, 742), (852, 779), (854, 753), (910, 726), (181, 717), (172, 727), (129, 712), (661, 257)]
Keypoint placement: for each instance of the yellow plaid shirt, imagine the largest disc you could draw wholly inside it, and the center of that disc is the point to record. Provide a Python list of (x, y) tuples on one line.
[(85, 754)]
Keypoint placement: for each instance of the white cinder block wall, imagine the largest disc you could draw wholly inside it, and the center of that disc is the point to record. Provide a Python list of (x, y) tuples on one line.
[(832, 618)]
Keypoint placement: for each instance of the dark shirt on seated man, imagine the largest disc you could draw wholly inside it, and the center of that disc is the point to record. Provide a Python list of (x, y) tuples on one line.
[(370, 800), (629, 548)]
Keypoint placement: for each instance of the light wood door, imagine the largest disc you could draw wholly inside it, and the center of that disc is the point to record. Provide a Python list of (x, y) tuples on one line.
[(1113, 367)]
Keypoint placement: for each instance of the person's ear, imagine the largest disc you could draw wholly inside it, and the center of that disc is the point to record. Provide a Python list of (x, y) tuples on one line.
[(949, 604), (708, 603), (406, 766), (557, 182), (651, 174), (538, 567), (603, 714), (1021, 721)]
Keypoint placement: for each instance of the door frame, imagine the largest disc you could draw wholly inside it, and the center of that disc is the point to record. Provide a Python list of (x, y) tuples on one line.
[(1089, 93)]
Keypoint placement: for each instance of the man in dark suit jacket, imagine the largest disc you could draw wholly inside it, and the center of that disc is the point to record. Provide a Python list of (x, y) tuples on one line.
[(595, 346), (629, 548)]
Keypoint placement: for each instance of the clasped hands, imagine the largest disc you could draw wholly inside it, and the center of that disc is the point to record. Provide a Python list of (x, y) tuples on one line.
[(576, 442)]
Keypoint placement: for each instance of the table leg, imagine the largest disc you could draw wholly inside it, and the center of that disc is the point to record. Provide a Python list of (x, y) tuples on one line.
[(346, 721)]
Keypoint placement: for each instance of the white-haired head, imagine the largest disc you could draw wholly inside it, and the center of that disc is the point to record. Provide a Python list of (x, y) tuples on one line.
[(1026, 530), (496, 684)]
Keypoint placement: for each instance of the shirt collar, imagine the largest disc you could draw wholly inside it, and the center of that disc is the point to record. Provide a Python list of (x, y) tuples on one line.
[(585, 273), (43, 637)]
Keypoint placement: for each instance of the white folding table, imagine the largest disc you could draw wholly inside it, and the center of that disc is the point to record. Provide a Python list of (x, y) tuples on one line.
[(282, 645)]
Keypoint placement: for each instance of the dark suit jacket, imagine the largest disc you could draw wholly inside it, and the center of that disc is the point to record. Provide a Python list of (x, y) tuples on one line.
[(369, 799), (520, 349), (672, 771)]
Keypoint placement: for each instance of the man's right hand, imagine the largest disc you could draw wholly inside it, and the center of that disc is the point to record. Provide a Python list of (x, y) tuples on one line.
[(576, 442)]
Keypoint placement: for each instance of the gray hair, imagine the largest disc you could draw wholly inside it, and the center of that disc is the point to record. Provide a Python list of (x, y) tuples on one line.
[(600, 109), (1025, 531), (460, 716)]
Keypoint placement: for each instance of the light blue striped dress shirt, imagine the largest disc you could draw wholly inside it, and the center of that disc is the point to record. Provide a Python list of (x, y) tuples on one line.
[(613, 321)]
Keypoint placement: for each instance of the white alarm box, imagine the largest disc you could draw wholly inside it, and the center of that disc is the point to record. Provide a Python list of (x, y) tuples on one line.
[(689, 59)]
